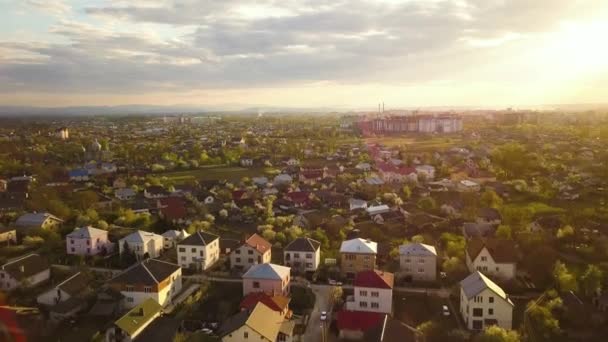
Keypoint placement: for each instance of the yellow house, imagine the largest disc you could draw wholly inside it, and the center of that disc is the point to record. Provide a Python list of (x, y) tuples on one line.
[(262, 324)]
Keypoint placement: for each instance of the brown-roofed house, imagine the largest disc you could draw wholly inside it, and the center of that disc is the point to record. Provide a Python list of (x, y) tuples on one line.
[(255, 250), (496, 257)]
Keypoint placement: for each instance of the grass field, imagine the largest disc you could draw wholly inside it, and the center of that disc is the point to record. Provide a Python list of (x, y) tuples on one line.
[(417, 143), (229, 173)]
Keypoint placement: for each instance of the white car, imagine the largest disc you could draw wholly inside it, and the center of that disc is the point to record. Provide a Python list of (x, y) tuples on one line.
[(323, 316), (445, 310), (331, 282)]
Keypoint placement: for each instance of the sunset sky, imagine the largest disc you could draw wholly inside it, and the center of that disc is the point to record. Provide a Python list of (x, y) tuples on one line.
[(350, 53)]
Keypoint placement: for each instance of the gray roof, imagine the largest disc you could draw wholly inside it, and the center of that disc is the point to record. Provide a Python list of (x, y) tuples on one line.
[(417, 249), (360, 246), (139, 237), (267, 271), (147, 272), (86, 232), (34, 219), (303, 244), (199, 239), (476, 282), (25, 267)]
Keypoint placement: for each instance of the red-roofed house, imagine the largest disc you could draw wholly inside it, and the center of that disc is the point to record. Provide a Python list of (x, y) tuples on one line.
[(373, 292), (391, 173), (353, 324), (299, 199), (173, 209), (278, 303)]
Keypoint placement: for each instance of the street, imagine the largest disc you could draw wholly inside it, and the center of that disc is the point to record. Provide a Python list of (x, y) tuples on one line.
[(314, 331)]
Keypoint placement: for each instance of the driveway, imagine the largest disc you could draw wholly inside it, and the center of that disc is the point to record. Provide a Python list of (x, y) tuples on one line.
[(315, 330)]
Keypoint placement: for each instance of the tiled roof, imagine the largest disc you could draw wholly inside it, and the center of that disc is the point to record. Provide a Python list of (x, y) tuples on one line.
[(258, 243), (265, 322), (148, 272), (276, 302), (417, 249), (359, 245), (26, 266), (199, 238), (476, 282), (303, 244), (75, 284), (375, 279), (140, 236), (501, 250), (86, 232), (267, 271), (359, 320)]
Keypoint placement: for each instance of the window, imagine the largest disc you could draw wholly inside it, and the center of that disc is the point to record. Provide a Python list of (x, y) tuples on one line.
[(363, 293), (308, 255), (129, 299), (375, 305), (202, 253), (183, 258), (408, 260), (129, 288), (490, 312), (484, 268), (245, 335), (421, 261), (147, 289), (483, 258), (366, 257), (250, 260), (296, 255), (491, 299), (238, 251), (362, 304), (182, 249), (477, 312), (193, 250), (250, 252), (287, 256), (282, 337), (238, 259), (375, 294), (308, 265), (477, 325), (421, 270), (88, 242), (73, 249), (256, 284), (72, 242)]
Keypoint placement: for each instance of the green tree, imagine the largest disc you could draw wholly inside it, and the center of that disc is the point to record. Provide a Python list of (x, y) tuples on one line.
[(504, 232), (489, 198), (591, 280), (427, 203), (564, 279), (495, 333)]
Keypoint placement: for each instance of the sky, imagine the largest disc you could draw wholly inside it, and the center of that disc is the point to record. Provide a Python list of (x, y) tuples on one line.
[(303, 53)]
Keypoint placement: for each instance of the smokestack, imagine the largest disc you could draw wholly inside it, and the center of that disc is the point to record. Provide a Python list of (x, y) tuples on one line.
[(382, 106)]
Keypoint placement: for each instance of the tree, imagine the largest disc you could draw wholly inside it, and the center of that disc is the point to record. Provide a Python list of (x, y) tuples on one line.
[(504, 232), (489, 198), (495, 333), (591, 280), (543, 324), (407, 192), (418, 238), (427, 203), (564, 279)]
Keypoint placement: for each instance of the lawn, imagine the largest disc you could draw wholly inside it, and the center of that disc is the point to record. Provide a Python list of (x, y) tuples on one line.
[(229, 173), (414, 309), (417, 143)]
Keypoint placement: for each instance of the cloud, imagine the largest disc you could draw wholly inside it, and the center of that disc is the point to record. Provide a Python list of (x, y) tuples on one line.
[(141, 46)]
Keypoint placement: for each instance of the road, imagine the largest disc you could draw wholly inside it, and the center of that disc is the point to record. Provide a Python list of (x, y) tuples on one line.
[(314, 329)]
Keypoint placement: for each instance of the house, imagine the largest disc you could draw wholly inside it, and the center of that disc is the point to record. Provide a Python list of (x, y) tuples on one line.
[(261, 324), (246, 161), (378, 209), (125, 194), (31, 221), (255, 250), (172, 237), (292, 162), (26, 271), (489, 215), (259, 181), (79, 175), (373, 291), (353, 325), (483, 303), (466, 185), (418, 261), (143, 244), (496, 257), (74, 285), (199, 251), (478, 230), (426, 171), (119, 183), (7, 235), (282, 179), (357, 255), (155, 191), (303, 254), (299, 199), (355, 204), (88, 241), (173, 209), (267, 278), (365, 167), (151, 278), (133, 323), (277, 303)]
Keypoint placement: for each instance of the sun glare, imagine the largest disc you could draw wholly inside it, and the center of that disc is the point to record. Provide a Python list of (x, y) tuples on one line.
[(580, 48)]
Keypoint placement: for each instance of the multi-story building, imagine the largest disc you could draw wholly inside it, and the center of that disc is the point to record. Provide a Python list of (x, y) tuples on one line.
[(268, 278), (255, 250), (303, 254), (199, 251), (88, 241), (357, 255), (373, 292), (418, 262), (483, 303), (495, 257), (151, 278), (444, 123)]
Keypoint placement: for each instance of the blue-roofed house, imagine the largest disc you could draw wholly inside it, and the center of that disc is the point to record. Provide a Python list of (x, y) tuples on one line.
[(268, 278), (79, 175), (30, 221)]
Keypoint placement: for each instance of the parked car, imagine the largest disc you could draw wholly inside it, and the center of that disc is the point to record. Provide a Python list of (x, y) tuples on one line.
[(323, 316)]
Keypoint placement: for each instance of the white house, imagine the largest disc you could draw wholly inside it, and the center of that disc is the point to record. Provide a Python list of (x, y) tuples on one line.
[(418, 261), (151, 278), (373, 210), (25, 271), (172, 237), (88, 241), (496, 257), (142, 243), (355, 204), (483, 303), (255, 250), (268, 278), (373, 292), (466, 185), (125, 194), (428, 171), (303, 254), (199, 251)]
